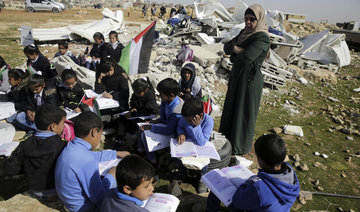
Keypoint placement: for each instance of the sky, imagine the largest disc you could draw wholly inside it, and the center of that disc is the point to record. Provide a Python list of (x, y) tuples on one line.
[(315, 10)]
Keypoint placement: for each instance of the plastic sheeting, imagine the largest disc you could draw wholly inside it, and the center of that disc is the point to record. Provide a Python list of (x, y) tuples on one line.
[(205, 11), (326, 48), (111, 21)]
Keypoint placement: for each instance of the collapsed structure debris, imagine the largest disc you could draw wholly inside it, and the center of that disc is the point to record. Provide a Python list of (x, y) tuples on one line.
[(206, 34)]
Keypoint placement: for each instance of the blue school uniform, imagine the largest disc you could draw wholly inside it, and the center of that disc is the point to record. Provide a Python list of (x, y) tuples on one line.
[(77, 179), (116, 201), (199, 134), (170, 113), (266, 192)]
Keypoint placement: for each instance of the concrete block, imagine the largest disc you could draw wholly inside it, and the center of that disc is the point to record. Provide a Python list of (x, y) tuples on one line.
[(204, 57), (293, 130)]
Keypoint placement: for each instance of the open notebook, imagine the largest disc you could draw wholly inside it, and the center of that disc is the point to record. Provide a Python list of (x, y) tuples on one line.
[(224, 183)]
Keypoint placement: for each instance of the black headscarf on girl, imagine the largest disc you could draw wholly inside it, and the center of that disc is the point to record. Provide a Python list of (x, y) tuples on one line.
[(187, 84)]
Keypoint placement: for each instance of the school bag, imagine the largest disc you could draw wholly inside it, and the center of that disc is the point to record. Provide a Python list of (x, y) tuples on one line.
[(68, 131), (185, 54)]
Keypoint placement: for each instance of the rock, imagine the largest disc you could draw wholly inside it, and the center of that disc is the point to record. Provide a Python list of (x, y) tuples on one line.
[(316, 153), (276, 130), (307, 144), (339, 128), (204, 57), (210, 78), (293, 130), (316, 182), (286, 158), (297, 164), (346, 150), (305, 195), (330, 130), (22, 202), (303, 81), (296, 157), (349, 138), (343, 175), (302, 201), (319, 188), (304, 167), (210, 70), (333, 99), (348, 158), (340, 209)]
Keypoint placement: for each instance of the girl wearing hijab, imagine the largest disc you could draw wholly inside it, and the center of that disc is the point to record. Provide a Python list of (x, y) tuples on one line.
[(189, 84), (248, 51)]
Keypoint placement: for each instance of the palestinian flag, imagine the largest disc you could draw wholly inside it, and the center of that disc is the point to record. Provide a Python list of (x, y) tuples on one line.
[(135, 56), (92, 104)]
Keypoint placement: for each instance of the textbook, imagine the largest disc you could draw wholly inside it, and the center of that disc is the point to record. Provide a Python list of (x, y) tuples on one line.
[(106, 165), (70, 113), (189, 149), (156, 141), (7, 148), (104, 103), (224, 183), (7, 110), (160, 202)]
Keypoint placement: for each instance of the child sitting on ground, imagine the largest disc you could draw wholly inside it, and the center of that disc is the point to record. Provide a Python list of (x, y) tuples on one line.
[(18, 79), (170, 113), (36, 156), (36, 94), (37, 63), (4, 70), (189, 84), (97, 52), (63, 47), (111, 83), (134, 177), (77, 179), (70, 92), (142, 103), (274, 188), (196, 126)]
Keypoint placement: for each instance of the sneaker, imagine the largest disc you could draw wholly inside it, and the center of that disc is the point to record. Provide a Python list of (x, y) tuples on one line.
[(174, 188)]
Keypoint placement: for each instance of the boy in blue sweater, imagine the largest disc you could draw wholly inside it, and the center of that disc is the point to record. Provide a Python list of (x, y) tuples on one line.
[(197, 126), (274, 188), (194, 124), (170, 113), (77, 178), (134, 177)]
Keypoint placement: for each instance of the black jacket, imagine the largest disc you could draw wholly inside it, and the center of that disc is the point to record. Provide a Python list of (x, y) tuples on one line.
[(114, 54), (98, 52), (42, 64), (36, 158), (112, 202), (118, 85), (145, 105), (49, 96), (70, 98), (15, 95)]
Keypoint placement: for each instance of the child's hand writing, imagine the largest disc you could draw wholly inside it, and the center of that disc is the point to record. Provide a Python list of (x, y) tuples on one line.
[(77, 110), (107, 95), (181, 139)]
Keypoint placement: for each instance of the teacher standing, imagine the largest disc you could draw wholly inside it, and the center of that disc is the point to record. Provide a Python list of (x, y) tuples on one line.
[(248, 51)]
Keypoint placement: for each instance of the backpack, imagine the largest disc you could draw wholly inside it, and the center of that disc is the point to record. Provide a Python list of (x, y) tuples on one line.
[(185, 54), (68, 132)]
